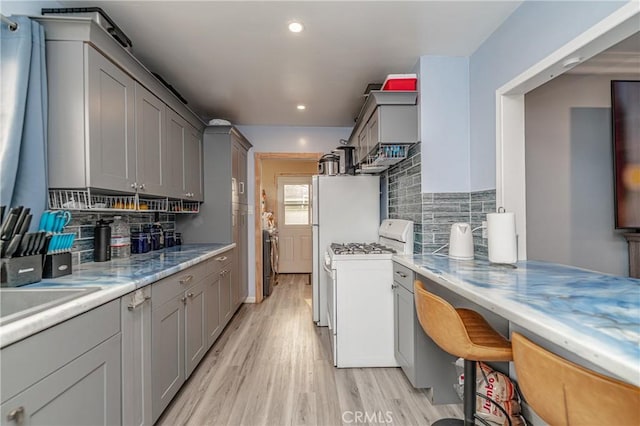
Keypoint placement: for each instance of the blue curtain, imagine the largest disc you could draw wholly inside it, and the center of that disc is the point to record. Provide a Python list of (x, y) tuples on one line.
[(23, 116)]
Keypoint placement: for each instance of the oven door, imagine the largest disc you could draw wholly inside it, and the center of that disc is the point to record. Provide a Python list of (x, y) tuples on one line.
[(331, 305)]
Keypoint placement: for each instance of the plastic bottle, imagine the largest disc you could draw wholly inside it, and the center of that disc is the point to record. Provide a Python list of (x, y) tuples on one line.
[(120, 239)]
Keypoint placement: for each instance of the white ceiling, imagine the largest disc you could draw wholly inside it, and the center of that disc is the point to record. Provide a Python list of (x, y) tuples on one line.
[(236, 60)]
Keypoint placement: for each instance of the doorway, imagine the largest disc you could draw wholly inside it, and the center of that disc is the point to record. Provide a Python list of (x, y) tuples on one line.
[(269, 166), (294, 224)]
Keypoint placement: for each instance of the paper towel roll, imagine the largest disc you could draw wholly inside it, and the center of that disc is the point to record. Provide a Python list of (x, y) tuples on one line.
[(501, 232)]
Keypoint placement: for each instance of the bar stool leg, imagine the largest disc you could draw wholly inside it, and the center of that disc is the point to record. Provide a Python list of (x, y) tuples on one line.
[(469, 402)]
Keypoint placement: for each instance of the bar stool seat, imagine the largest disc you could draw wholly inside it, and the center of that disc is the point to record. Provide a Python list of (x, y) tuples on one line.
[(463, 333), (563, 393)]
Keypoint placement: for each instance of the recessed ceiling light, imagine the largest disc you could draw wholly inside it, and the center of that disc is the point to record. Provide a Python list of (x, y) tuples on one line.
[(301, 107), (296, 27)]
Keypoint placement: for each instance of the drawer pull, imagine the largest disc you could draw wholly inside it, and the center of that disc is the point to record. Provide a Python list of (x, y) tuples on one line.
[(221, 258), (402, 275), (394, 286), (186, 280), (16, 415)]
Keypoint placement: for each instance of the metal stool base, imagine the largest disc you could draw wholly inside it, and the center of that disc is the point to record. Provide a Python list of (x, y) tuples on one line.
[(448, 422)]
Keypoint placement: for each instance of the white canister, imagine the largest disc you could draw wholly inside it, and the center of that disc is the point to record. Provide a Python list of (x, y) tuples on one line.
[(501, 232)]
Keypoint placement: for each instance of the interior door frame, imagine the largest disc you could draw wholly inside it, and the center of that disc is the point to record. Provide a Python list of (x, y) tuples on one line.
[(258, 158)]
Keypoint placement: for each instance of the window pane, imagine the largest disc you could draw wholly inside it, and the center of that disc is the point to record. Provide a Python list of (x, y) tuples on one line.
[(296, 214), (296, 194), (296, 204)]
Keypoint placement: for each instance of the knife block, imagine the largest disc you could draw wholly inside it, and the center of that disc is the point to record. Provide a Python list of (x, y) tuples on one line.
[(17, 271), (57, 265)]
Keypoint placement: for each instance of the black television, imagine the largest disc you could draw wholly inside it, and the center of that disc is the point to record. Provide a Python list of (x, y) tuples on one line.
[(625, 123)]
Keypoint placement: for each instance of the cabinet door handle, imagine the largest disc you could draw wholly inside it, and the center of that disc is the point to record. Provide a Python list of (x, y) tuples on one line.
[(221, 258), (16, 415), (186, 280), (141, 186), (134, 185), (222, 273), (403, 275), (189, 295), (394, 286), (183, 300), (242, 187)]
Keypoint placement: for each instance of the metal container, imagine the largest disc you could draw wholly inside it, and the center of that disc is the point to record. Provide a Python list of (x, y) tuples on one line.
[(329, 164)]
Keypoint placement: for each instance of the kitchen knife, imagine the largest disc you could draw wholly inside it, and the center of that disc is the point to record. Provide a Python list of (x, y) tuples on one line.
[(24, 244), (30, 246), (9, 224), (24, 226), (45, 244), (13, 245), (37, 240), (21, 218)]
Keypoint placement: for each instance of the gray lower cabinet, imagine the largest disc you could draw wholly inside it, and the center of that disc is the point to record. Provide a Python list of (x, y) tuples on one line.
[(167, 357), (189, 311), (67, 374), (218, 296), (136, 357), (415, 352), (195, 317), (226, 294)]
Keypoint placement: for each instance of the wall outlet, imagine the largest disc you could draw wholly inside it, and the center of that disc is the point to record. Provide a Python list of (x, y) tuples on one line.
[(484, 229)]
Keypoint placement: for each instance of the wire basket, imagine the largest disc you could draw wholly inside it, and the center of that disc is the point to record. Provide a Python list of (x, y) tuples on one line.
[(179, 206), (153, 204)]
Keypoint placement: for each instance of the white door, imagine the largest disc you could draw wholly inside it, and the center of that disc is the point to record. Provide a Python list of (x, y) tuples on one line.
[(294, 224)]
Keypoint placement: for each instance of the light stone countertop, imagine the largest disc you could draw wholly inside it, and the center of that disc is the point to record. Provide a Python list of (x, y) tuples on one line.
[(592, 315), (114, 278)]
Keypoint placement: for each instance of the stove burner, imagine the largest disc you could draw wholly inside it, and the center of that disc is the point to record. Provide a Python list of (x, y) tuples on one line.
[(360, 248)]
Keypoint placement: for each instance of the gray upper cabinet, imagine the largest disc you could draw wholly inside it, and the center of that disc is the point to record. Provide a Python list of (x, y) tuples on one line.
[(111, 144), (112, 124), (184, 164), (176, 136), (151, 145), (387, 117), (192, 165)]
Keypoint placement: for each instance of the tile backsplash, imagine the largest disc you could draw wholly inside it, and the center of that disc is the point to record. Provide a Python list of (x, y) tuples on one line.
[(434, 213), (82, 223)]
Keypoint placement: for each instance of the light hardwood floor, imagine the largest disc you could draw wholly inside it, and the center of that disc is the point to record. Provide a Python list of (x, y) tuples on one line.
[(271, 366)]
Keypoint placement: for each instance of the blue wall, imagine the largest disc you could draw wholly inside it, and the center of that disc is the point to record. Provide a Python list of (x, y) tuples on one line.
[(533, 31), (444, 118), (25, 7)]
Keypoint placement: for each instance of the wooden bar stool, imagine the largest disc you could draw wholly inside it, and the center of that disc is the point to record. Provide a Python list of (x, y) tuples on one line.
[(564, 393), (463, 333)]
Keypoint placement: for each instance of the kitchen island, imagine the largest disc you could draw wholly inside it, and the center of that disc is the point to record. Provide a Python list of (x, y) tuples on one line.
[(591, 318), (115, 279)]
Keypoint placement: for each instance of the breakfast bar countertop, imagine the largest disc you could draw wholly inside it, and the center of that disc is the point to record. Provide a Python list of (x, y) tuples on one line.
[(590, 314), (115, 278)]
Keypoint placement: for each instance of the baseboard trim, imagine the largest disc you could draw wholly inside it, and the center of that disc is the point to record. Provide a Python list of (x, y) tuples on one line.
[(249, 300)]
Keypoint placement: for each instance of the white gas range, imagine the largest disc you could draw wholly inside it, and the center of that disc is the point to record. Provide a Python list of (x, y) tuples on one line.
[(360, 297)]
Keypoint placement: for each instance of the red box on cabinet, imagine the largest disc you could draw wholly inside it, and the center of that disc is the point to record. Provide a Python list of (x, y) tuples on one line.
[(400, 82)]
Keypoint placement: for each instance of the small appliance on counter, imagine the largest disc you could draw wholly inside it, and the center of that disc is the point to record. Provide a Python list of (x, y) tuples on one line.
[(102, 241), (461, 241), (345, 160), (329, 165)]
